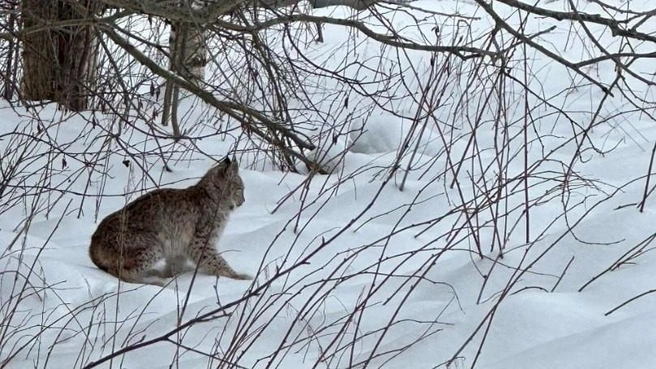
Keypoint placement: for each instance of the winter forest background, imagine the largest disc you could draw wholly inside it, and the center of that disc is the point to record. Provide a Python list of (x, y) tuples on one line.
[(429, 184)]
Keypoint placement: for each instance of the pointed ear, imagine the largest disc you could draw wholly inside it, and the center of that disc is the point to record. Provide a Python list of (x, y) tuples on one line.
[(226, 164), (234, 167)]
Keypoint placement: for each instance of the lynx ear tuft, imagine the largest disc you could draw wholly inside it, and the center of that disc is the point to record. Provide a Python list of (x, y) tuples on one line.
[(229, 165)]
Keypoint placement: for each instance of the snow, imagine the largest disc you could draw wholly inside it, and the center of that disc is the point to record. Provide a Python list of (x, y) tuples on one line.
[(362, 267)]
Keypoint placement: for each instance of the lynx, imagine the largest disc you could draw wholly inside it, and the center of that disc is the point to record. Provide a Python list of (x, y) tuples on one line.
[(172, 227)]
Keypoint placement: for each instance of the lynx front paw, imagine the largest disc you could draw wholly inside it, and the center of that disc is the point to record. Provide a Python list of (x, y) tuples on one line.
[(157, 281), (242, 276)]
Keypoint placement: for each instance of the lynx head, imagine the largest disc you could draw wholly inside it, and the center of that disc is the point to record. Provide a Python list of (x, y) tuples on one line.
[(224, 183)]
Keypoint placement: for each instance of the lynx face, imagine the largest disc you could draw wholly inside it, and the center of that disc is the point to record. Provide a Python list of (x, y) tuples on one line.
[(235, 187), (227, 182), (237, 193)]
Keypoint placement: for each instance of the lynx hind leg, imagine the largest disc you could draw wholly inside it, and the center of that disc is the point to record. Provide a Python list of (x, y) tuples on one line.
[(154, 280), (147, 276), (177, 264), (210, 262), (137, 264)]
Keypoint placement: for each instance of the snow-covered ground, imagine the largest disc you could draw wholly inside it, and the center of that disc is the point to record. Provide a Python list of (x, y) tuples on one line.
[(351, 269)]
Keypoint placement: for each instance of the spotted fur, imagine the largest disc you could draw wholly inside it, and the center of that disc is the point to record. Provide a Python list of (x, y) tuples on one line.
[(175, 227)]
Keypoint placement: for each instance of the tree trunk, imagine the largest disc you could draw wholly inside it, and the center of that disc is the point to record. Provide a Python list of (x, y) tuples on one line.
[(188, 47), (59, 62), (188, 58)]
